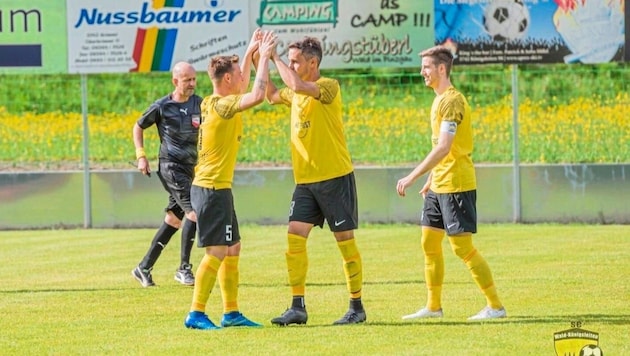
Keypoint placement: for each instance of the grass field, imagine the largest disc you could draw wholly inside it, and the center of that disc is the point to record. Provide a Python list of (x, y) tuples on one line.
[(70, 292)]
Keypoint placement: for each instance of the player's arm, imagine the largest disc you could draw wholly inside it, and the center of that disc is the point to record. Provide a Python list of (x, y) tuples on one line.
[(443, 147), (138, 138), (273, 93), (247, 61), (257, 94), (293, 81), (141, 156), (148, 118)]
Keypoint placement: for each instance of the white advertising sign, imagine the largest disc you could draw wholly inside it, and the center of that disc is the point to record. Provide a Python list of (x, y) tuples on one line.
[(353, 33), (152, 35)]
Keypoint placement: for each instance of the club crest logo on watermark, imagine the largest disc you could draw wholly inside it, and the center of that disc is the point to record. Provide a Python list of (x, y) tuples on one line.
[(577, 342)]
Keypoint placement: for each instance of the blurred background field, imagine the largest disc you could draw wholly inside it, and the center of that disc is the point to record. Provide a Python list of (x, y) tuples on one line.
[(567, 114)]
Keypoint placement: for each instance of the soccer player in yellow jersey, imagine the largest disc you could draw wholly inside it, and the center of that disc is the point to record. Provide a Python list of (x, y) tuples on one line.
[(211, 192), (450, 192), (323, 172)]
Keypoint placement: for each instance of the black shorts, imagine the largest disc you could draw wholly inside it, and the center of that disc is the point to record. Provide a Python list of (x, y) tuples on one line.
[(216, 219), (334, 200), (453, 212), (176, 179)]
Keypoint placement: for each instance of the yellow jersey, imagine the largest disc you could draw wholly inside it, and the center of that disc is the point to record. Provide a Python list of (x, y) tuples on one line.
[(219, 139), (454, 173), (318, 146)]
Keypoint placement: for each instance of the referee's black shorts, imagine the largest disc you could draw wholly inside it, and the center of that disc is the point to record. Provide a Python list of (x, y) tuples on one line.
[(176, 179)]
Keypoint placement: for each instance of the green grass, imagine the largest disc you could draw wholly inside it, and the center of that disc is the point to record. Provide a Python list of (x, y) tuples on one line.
[(69, 292)]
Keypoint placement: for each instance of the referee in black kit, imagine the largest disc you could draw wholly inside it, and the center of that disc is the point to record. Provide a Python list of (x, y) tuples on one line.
[(177, 117)]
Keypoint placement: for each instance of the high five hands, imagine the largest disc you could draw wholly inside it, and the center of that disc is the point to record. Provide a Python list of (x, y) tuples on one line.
[(268, 43), (259, 36)]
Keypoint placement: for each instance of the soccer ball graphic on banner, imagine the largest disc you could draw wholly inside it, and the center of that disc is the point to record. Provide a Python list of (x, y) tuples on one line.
[(591, 350), (506, 20)]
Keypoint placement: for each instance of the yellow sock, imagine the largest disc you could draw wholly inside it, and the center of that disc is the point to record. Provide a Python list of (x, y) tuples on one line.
[(297, 263), (228, 280), (433, 266), (205, 278), (479, 269), (352, 267)]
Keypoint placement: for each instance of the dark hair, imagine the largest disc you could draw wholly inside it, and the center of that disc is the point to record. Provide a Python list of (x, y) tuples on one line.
[(310, 47), (220, 65), (440, 55)]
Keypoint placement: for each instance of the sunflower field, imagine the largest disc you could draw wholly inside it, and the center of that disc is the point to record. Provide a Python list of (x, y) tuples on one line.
[(564, 116)]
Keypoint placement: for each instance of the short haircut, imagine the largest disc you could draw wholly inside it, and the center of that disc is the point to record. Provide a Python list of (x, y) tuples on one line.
[(440, 55), (180, 67), (310, 47), (220, 65)]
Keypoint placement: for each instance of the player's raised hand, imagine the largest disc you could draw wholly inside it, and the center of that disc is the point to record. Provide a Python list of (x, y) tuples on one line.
[(268, 44), (254, 42)]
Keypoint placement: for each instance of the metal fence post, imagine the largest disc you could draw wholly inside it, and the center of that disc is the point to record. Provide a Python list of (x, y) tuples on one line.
[(516, 159), (87, 190)]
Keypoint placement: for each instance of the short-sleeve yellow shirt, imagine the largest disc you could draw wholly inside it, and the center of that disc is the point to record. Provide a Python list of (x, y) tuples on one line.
[(318, 146), (219, 139), (454, 173)]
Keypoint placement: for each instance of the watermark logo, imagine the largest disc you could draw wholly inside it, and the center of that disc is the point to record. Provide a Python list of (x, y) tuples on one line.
[(577, 342)]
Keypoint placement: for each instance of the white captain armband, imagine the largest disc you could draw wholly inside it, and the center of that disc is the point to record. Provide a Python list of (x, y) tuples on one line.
[(448, 126)]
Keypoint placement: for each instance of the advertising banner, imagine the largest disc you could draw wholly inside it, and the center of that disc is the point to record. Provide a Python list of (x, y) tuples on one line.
[(152, 35), (93, 36), (532, 31), (354, 34), (33, 36)]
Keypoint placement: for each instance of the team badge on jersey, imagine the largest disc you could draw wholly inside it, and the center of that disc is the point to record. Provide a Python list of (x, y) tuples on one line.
[(196, 120)]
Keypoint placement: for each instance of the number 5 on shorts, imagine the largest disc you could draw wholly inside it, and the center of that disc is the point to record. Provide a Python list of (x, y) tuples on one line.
[(228, 232)]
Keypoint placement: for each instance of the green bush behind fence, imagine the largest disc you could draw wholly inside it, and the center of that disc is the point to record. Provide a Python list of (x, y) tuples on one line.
[(578, 131)]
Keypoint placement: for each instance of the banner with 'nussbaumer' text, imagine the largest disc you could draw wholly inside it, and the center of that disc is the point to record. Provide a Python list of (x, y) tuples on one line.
[(146, 36)]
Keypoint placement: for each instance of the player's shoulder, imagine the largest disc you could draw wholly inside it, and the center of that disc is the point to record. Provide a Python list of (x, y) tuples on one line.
[(157, 106), (452, 91), (163, 100), (327, 81), (196, 98), (452, 94), (213, 99), (208, 101), (328, 89), (219, 103)]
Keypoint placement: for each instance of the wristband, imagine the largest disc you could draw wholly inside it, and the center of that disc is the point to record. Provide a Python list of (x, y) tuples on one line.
[(140, 152)]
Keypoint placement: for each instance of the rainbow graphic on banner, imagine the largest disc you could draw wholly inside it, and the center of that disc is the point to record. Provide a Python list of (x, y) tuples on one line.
[(154, 47)]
